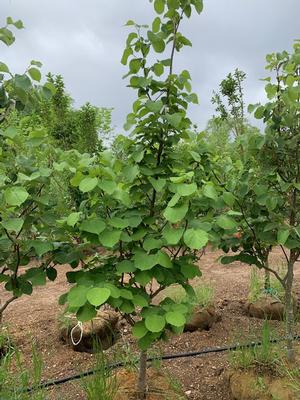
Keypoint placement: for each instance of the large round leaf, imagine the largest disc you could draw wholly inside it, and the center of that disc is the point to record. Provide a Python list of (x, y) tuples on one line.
[(13, 224), (97, 296), (226, 222), (110, 238), (86, 313), (186, 189), (195, 238), (139, 330), (172, 235), (77, 296), (175, 318), (155, 323), (88, 184), (95, 226), (16, 196), (176, 214)]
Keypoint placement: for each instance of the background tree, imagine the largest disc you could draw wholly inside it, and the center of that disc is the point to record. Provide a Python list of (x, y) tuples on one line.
[(275, 213)]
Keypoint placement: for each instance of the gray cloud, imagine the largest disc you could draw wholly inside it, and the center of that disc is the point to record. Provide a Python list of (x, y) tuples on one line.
[(83, 41)]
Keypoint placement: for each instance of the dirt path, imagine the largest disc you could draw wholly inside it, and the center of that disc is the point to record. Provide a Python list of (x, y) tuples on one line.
[(34, 318)]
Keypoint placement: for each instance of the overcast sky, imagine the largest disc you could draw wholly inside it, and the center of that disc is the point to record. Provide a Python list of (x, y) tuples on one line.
[(83, 40)]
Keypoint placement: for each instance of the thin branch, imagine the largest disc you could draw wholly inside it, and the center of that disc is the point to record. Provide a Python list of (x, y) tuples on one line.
[(5, 305)]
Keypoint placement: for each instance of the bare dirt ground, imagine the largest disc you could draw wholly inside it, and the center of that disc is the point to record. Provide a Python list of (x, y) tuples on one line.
[(34, 318)]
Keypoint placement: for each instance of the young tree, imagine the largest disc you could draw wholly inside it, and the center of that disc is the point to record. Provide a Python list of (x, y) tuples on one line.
[(18, 91), (274, 193), (233, 112), (27, 214), (150, 209)]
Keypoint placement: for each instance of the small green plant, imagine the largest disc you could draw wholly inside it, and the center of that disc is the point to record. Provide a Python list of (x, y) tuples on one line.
[(257, 289), (204, 295), (103, 384), (6, 345), (14, 383), (263, 357)]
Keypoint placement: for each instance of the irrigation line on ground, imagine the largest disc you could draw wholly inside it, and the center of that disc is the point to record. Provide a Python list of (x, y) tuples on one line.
[(56, 382)]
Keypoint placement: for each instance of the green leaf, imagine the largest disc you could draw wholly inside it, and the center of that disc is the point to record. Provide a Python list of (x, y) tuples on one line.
[(282, 236), (159, 6), (88, 184), (77, 296), (127, 53), (35, 74), (209, 191), (95, 226), (140, 301), (125, 267), (143, 277), (172, 235), (13, 224), (228, 198), (195, 238), (175, 318), (174, 119), (259, 113), (108, 186), (139, 330), (158, 184), (110, 238), (41, 247), (86, 313), (16, 196), (163, 259), (144, 261), (73, 218), (97, 296), (10, 132), (176, 214), (117, 222), (226, 222), (22, 82), (3, 67), (130, 172), (158, 69), (186, 189), (198, 5), (156, 25), (151, 243), (190, 271), (155, 323), (154, 106), (51, 274), (174, 200), (36, 276)]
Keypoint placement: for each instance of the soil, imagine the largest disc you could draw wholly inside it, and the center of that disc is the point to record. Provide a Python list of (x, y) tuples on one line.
[(35, 319)]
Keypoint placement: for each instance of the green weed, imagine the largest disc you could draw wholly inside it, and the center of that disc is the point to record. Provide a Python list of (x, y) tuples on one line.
[(101, 382), (15, 378)]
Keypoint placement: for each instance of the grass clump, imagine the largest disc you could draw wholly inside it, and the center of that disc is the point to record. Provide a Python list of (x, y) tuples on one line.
[(263, 357), (103, 383), (204, 295), (257, 287), (15, 378)]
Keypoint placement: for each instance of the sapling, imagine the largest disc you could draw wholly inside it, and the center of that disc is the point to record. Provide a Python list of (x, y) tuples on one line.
[(27, 218), (150, 208), (275, 213)]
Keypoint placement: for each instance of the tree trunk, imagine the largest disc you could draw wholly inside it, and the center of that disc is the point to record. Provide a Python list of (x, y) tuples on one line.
[(4, 307), (289, 312), (267, 279), (141, 383)]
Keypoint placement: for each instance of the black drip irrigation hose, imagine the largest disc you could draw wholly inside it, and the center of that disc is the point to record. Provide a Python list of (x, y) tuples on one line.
[(56, 382)]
